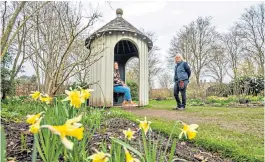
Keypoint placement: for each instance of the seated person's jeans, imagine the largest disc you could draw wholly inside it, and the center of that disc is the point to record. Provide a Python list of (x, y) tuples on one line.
[(123, 89)]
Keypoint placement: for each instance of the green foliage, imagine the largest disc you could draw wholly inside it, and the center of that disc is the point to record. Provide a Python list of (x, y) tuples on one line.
[(221, 101), (3, 145), (134, 89), (195, 102), (248, 85), (5, 75)]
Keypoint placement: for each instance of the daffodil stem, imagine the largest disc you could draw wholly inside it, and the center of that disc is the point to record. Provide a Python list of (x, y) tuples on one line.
[(65, 154), (34, 153)]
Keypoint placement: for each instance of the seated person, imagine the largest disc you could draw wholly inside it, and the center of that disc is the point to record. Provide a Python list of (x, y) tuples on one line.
[(121, 87)]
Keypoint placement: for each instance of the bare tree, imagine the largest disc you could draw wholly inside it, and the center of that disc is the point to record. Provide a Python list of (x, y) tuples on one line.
[(55, 40), (195, 42), (154, 67), (252, 26), (217, 68), (17, 49), (233, 48), (165, 80), (8, 23), (81, 71), (247, 67)]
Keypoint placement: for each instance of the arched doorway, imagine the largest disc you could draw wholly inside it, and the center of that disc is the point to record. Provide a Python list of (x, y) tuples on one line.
[(124, 52)]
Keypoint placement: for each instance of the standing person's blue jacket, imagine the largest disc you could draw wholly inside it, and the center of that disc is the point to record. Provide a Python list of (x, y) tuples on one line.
[(182, 72)]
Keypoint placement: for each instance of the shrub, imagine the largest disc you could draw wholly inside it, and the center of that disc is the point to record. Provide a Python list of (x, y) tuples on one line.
[(221, 90), (248, 85), (134, 89)]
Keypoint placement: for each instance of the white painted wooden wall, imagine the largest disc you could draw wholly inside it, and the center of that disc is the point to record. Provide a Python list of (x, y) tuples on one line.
[(102, 70)]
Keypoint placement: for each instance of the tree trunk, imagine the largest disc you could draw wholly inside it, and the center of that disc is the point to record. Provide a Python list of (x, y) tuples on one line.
[(9, 28)]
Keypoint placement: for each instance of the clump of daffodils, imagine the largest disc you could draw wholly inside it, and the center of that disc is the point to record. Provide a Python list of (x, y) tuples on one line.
[(71, 128), (189, 131), (35, 95), (77, 97), (46, 98), (42, 97), (34, 120), (99, 157), (144, 125), (128, 134)]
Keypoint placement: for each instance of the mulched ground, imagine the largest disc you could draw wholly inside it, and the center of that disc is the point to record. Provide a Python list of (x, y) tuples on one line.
[(21, 151), (19, 141), (185, 151)]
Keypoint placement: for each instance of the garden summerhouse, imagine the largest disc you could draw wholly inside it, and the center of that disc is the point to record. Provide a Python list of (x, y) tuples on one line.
[(118, 41)]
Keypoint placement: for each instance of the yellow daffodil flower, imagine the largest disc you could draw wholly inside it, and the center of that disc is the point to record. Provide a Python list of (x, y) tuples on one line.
[(70, 128), (34, 128), (99, 157), (85, 93), (145, 125), (189, 131), (129, 157), (31, 119), (128, 134), (35, 95), (47, 99), (75, 98)]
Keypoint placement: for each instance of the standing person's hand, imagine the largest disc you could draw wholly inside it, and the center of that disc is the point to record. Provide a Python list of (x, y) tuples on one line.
[(181, 84)]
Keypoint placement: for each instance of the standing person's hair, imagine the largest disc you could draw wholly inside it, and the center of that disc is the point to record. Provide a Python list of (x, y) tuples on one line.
[(178, 55)]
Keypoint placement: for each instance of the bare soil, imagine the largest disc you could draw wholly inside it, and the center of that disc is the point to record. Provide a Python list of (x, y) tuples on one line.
[(21, 151), (18, 140)]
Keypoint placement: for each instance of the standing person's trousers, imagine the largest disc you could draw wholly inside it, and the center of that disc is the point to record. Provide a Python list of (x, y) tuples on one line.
[(177, 89)]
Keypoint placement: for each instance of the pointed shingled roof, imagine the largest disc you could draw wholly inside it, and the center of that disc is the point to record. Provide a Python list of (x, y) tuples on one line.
[(119, 25)]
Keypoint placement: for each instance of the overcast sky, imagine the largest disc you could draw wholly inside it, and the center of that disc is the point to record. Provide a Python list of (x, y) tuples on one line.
[(166, 18)]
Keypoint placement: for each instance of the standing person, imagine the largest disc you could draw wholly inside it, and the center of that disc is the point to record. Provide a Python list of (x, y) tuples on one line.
[(121, 87), (181, 79)]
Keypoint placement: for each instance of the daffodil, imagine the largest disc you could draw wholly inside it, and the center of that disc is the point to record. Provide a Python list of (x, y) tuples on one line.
[(189, 131), (35, 95), (145, 125), (70, 128), (34, 128), (46, 99), (129, 157), (99, 157), (31, 119), (85, 93), (75, 98), (128, 134)]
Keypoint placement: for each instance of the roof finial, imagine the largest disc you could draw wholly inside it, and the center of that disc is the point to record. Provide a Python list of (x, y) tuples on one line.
[(119, 12)]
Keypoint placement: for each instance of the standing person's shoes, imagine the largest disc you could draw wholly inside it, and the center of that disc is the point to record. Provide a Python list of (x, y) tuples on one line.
[(177, 107), (181, 108)]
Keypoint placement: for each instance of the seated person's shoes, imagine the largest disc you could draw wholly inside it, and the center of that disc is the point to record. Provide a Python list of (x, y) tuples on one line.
[(133, 104), (125, 103)]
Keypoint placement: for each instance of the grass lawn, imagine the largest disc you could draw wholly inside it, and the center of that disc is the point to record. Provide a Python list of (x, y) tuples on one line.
[(237, 133)]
